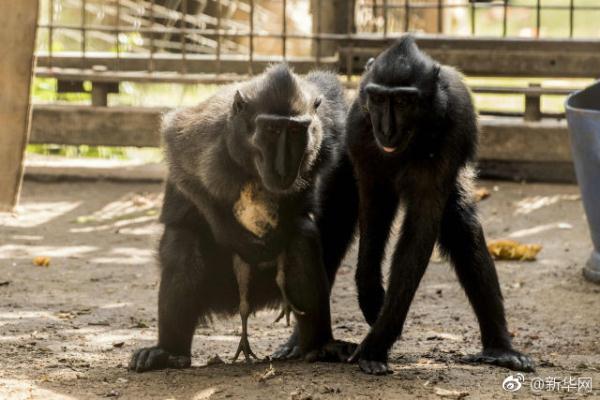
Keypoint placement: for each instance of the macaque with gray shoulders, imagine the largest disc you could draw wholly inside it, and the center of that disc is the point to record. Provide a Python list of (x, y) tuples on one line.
[(278, 133)]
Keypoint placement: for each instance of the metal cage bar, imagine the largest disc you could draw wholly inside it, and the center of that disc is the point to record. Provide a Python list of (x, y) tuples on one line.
[(187, 30), (284, 30), (251, 38), (182, 38)]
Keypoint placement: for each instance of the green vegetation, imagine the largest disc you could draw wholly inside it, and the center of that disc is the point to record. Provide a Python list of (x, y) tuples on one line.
[(554, 23)]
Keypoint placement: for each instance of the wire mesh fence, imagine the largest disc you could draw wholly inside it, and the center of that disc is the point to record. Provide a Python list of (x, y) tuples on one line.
[(176, 35)]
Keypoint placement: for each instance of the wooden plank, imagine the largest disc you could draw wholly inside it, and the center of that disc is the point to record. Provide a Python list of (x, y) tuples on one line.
[(195, 63), (17, 34), (514, 139), (98, 126), (530, 171), (74, 74), (87, 169), (473, 56), (81, 75), (530, 90), (509, 148), (496, 56), (503, 138)]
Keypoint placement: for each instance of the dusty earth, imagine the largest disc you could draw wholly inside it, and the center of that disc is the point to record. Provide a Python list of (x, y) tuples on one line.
[(67, 330)]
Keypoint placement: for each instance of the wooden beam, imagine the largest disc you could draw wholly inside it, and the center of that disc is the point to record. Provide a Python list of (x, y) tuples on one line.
[(17, 34), (503, 138), (96, 126), (509, 57), (515, 139), (510, 148), (473, 56), (195, 63)]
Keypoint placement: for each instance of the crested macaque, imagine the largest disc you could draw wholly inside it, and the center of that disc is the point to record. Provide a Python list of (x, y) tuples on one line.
[(412, 138), (278, 132)]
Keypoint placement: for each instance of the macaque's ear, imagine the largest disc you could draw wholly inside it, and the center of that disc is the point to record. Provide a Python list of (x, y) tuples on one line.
[(369, 63), (317, 102), (430, 81), (239, 102), (435, 73)]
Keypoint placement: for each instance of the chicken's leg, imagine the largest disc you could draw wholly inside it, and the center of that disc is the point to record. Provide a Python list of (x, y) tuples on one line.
[(242, 275)]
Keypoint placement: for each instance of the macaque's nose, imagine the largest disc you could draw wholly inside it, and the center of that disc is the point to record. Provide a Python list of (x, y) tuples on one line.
[(388, 124), (280, 154)]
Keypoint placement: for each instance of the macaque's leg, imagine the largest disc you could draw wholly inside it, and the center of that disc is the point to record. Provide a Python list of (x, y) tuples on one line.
[(336, 222), (181, 301), (411, 256), (310, 293), (462, 239)]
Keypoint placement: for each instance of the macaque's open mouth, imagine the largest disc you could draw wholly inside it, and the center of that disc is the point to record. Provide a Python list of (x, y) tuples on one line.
[(388, 149)]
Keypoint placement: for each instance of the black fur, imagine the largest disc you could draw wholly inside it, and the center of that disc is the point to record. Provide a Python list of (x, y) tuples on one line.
[(412, 135), (213, 151)]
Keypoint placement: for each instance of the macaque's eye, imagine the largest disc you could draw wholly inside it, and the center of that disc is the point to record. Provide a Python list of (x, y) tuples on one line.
[(317, 102), (298, 129), (377, 98), (250, 128), (399, 100)]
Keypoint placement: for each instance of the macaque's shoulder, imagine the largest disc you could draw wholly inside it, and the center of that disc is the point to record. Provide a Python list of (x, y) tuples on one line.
[(208, 117)]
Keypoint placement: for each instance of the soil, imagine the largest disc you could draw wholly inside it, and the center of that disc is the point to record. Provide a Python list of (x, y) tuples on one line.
[(67, 330)]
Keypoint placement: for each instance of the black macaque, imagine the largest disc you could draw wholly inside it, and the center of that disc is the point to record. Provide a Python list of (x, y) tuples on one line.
[(278, 131), (412, 137)]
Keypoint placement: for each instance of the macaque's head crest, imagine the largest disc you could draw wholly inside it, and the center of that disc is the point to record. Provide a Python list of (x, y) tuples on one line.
[(400, 85)]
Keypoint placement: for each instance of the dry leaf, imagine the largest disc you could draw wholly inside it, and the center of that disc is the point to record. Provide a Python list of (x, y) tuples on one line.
[(450, 394), (206, 393), (41, 261), (268, 374), (481, 194), (513, 250)]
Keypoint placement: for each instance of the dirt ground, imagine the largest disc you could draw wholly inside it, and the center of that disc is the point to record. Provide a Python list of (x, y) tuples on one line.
[(67, 330)]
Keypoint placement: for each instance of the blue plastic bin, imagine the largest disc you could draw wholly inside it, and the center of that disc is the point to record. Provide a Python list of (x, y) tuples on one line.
[(583, 116)]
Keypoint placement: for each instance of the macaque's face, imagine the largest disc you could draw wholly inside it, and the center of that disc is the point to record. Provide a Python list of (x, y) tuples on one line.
[(274, 146), (282, 144), (393, 113)]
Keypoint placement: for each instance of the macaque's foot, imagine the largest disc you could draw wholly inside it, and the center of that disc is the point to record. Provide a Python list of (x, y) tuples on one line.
[(374, 367), (506, 358), (290, 350), (370, 363), (151, 358), (333, 351), (244, 347)]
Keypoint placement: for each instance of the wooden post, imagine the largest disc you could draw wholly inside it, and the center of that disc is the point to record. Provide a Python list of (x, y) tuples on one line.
[(333, 19), (533, 104), (18, 21)]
